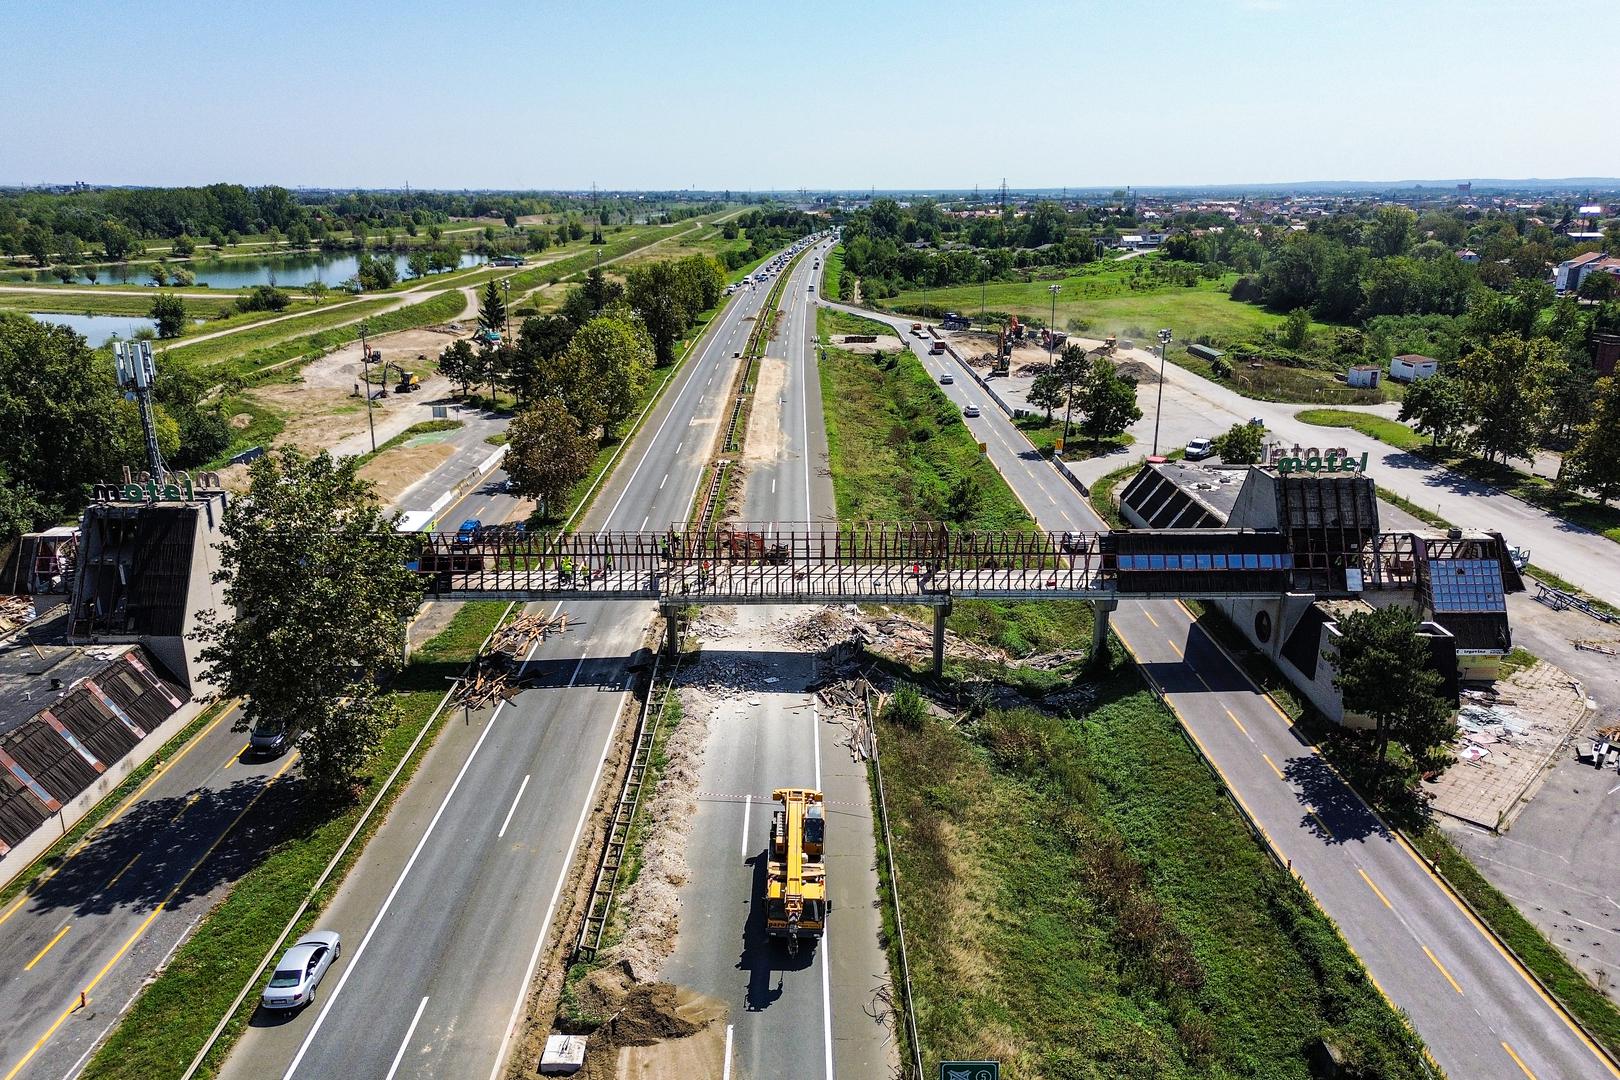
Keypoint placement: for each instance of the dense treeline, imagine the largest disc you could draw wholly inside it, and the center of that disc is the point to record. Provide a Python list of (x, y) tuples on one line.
[(766, 230), (46, 225)]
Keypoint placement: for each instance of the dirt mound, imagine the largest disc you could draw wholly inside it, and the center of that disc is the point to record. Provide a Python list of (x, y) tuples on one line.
[(1142, 373), (649, 1030)]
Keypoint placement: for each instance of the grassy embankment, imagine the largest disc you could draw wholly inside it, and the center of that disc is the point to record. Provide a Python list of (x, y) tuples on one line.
[(1081, 899), (168, 1022), (899, 449), (832, 274), (61, 302), (1392, 432)]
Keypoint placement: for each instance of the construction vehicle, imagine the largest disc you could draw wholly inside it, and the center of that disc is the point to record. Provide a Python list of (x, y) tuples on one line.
[(796, 875), (1053, 339), (954, 321), (1015, 329), (408, 382), (1110, 343)]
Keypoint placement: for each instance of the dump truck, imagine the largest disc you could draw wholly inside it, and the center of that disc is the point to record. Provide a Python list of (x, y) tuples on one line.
[(796, 874)]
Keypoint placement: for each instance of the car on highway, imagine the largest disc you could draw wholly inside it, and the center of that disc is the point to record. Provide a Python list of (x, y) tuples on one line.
[(300, 969), (270, 739), (1199, 449), (468, 531), (946, 379), (970, 410), (1257, 421)]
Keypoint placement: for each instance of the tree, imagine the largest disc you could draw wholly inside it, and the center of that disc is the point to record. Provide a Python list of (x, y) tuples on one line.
[(1072, 367), (159, 274), (1109, 402), (418, 263), (491, 309), (1241, 445), (597, 237), (64, 273), (589, 299), (38, 244), (963, 500), (1599, 287), (1506, 383), (1383, 670), (606, 367), (169, 312), (658, 294), (547, 453), (459, 364), (1593, 462), (117, 241), (1048, 392), (1436, 406), (511, 220), (375, 274), (181, 276), (316, 574), (316, 290), (298, 236), (58, 406), (1295, 328)]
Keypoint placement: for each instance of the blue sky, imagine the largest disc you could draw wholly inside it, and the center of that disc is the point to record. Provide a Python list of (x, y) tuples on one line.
[(829, 93)]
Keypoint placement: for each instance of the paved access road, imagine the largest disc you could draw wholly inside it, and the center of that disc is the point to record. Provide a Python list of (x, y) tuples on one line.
[(1195, 406), (802, 1015), (1481, 1015), (444, 916)]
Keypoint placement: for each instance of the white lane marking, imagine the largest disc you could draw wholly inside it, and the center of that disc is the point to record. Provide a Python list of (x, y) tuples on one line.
[(815, 720), (678, 446), (644, 523), (399, 1056), (388, 901), (513, 809), (551, 909), (773, 485), (725, 1073), (748, 804), (826, 998), (662, 482)]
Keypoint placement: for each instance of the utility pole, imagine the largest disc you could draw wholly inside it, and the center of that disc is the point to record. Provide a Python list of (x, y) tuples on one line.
[(365, 366), (1158, 409)]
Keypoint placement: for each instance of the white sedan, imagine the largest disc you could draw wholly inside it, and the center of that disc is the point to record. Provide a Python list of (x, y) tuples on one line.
[(300, 970)]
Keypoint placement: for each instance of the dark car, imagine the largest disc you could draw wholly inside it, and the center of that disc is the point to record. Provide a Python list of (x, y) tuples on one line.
[(468, 531)]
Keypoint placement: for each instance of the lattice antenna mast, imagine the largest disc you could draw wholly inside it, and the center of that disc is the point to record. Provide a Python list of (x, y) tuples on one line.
[(136, 374)]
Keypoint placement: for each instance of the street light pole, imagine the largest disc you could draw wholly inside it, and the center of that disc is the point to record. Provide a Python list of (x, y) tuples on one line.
[(1158, 409), (365, 367), (1051, 327)]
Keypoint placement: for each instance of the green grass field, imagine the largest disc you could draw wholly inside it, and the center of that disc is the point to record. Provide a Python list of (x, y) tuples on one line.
[(61, 302), (832, 275), (1392, 432), (1081, 900)]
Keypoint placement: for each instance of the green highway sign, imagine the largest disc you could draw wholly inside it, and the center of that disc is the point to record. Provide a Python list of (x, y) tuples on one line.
[(970, 1070)]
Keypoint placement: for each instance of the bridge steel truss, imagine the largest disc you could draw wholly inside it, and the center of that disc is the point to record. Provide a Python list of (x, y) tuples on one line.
[(923, 564)]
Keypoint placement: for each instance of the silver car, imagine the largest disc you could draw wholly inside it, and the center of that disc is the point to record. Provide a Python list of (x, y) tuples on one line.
[(293, 982)]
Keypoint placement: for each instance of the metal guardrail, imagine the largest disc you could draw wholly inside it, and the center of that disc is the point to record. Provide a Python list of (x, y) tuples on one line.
[(599, 905), (907, 1009)]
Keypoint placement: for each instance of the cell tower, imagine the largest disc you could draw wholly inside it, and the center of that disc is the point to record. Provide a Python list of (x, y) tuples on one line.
[(136, 374), (1003, 193)]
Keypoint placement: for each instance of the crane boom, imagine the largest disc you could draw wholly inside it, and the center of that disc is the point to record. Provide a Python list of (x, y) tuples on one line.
[(796, 884)]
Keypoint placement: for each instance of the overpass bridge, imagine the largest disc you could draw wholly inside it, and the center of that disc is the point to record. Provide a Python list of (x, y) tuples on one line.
[(923, 564)]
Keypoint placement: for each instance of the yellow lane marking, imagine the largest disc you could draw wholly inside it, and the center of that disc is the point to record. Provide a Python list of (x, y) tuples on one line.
[(139, 930), (1150, 617), (187, 805), (1379, 892), (49, 946), (84, 841), (114, 879), (237, 757), (1324, 825), (1435, 960), (1239, 724), (1273, 765), (1176, 647), (1517, 1060)]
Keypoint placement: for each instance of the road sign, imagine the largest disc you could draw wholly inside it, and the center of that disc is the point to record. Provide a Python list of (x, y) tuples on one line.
[(984, 448), (970, 1070), (1057, 447)]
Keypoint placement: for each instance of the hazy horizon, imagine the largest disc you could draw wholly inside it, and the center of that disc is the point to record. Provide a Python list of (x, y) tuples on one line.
[(904, 97)]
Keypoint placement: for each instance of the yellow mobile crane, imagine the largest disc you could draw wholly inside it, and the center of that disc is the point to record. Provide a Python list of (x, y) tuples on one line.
[(796, 881)]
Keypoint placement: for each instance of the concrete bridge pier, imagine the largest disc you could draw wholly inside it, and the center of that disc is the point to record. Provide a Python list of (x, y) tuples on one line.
[(672, 628), (940, 612), (1099, 629)]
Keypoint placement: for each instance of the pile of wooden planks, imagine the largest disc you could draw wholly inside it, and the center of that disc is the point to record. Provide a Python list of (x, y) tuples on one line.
[(15, 611), (494, 678), (518, 636)]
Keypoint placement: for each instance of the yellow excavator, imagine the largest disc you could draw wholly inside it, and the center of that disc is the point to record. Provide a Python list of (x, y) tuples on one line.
[(796, 881)]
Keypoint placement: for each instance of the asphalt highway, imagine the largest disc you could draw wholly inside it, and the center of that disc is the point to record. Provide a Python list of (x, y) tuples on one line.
[(801, 1015), (137, 885), (445, 914), (1481, 1015)]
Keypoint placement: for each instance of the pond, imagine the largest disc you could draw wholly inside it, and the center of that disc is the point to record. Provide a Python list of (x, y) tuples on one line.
[(97, 329), (288, 271)]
